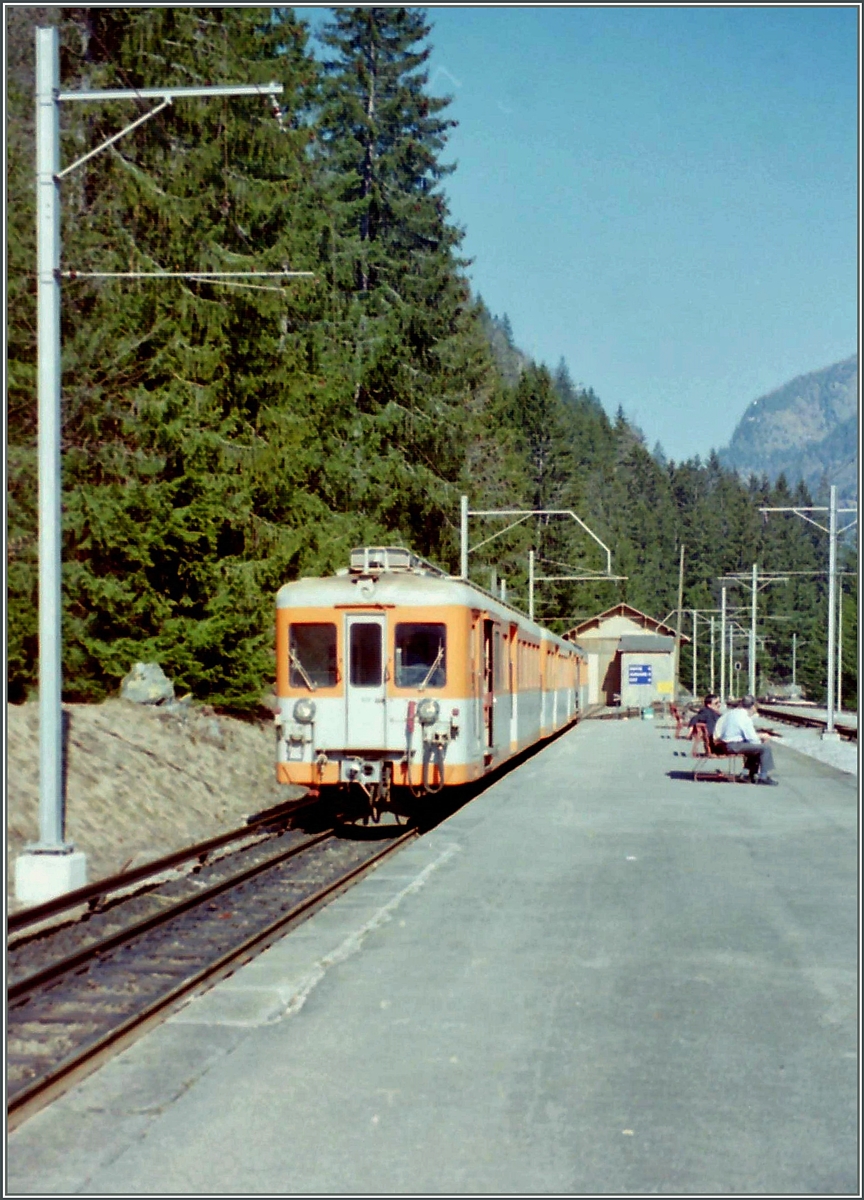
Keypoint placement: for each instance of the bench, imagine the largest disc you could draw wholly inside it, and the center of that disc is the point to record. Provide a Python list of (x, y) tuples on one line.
[(680, 718), (703, 752)]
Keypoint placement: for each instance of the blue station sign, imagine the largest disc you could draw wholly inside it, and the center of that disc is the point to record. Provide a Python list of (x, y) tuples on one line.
[(639, 673)]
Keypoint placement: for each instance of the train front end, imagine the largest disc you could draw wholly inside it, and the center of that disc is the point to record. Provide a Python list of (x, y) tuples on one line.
[(370, 666)]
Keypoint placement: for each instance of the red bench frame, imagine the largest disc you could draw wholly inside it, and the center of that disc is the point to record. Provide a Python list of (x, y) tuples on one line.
[(680, 719), (702, 751)]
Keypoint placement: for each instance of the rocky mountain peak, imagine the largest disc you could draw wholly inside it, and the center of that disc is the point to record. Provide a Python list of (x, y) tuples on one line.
[(807, 429)]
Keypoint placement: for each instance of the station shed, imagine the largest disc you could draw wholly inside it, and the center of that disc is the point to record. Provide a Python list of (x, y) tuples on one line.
[(631, 657)]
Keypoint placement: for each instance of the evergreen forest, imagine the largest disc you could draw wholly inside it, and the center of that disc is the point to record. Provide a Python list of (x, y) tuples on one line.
[(222, 438)]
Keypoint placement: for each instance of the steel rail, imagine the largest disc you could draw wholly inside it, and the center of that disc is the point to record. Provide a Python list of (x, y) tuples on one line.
[(62, 967), (84, 1061), (92, 892), (848, 732)]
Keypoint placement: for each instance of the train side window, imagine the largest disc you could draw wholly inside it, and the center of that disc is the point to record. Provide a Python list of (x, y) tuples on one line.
[(365, 655), (312, 651), (421, 655)]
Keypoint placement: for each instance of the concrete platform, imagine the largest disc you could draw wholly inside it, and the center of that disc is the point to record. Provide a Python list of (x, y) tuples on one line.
[(600, 977)]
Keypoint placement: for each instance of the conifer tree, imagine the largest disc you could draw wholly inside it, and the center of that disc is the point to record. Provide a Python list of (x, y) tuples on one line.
[(401, 312), (384, 136), (169, 387)]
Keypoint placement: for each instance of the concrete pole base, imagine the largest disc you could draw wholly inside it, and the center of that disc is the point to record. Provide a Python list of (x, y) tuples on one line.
[(830, 735), (43, 875)]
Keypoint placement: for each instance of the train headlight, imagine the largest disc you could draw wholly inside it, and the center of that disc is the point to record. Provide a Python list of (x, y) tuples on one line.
[(304, 711), (427, 711)]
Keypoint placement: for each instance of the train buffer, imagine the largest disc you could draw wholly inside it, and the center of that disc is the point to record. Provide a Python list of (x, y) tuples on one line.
[(596, 977)]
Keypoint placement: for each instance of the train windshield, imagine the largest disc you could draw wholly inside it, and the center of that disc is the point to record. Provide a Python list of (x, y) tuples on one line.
[(312, 650), (421, 655)]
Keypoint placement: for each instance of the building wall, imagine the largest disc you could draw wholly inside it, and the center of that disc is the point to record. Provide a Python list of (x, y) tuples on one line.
[(607, 669), (601, 652), (662, 668), (593, 679)]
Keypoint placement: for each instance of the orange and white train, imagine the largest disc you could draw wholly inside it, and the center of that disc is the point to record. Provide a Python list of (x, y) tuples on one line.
[(393, 675)]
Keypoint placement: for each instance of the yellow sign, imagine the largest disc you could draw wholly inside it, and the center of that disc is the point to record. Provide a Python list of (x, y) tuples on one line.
[(664, 685)]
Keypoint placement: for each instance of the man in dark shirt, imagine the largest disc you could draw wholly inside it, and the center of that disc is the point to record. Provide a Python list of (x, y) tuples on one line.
[(708, 715)]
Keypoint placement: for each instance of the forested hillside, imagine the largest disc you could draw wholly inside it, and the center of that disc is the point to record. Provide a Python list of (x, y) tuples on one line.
[(219, 440)]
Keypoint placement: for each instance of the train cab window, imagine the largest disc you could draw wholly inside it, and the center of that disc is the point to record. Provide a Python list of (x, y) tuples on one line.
[(365, 655), (312, 651), (421, 655)]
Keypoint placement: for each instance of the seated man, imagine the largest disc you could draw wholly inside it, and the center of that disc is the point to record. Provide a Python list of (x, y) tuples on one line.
[(708, 715), (736, 730)]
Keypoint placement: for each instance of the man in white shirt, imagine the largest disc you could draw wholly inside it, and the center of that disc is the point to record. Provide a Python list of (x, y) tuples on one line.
[(736, 729)]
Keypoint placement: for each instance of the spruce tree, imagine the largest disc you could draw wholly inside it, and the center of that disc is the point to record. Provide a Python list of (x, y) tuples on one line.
[(403, 330), (180, 401)]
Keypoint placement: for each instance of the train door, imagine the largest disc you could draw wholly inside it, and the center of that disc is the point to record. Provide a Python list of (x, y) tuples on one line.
[(514, 686), (488, 687), (365, 694), (503, 689)]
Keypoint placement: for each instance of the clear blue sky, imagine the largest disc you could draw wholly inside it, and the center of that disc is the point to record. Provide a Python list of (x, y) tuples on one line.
[(667, 198)]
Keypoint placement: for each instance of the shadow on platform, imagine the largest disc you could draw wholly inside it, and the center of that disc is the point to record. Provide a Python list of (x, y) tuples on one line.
[(704, 777)]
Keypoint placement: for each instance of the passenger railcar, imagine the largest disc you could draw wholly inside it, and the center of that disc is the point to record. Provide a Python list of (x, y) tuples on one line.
[(393, 675)]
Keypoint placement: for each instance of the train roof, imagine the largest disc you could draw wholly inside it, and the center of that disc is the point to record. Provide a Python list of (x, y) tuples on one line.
[(405, 581)]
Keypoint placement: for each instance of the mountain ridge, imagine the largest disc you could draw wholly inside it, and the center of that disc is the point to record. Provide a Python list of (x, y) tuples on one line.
[(806, 429)]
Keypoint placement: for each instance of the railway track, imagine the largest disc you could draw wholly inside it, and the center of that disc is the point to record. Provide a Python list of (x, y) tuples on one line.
[(79, 993), (97, 895), (806, 720)]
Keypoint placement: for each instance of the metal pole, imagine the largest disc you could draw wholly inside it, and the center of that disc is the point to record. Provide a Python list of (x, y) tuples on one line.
[(711, 672), (723, 645), (794, 651), (731, 653), (693, 611), (531, 585), (51, 866), (839, 646), (504, 591), (678, 626), (832, 570), (463, 538), (177, 93), (48, 319), (752, 663)]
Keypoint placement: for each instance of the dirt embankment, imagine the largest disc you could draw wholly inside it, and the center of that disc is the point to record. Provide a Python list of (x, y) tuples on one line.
[(142, 780)]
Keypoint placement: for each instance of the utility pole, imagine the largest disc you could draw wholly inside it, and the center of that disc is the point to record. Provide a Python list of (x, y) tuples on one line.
[(839, 647), (693, 613), (752, 663), (52, 866), (832, 575), (51, 855), (829, 733), (676, 680), (794, 649), (707, 614), (723, 645), (753, 580)]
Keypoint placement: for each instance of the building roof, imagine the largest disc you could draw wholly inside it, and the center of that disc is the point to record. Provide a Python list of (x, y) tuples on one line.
[(646, 643), (623, 610)]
